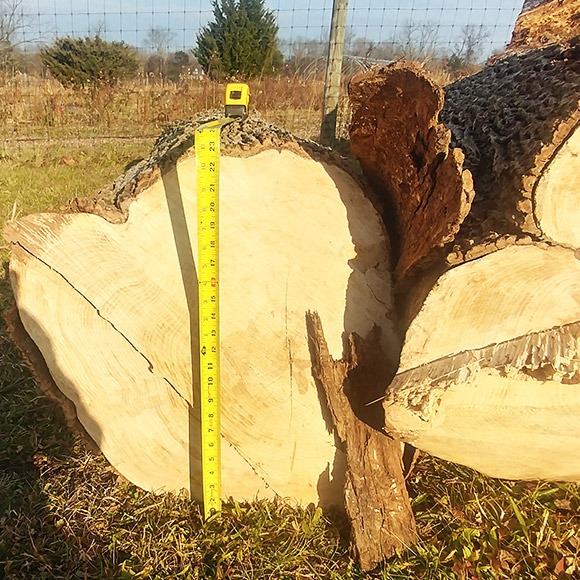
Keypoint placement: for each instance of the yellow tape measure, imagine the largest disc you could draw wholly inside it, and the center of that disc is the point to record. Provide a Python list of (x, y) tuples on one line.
[(207, 153), (207, 150)]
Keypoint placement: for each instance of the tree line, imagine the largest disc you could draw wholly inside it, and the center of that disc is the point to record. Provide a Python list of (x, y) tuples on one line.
[(240, 42)]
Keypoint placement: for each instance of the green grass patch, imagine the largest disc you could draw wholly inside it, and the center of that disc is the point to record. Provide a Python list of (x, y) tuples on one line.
[(64, 513), (42, 175)]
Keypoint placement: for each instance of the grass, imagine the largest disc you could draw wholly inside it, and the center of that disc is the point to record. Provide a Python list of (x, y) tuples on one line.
[(64, 513), (35, 107), (36, 177)]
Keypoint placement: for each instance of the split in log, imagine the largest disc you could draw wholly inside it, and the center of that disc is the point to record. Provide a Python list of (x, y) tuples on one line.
[(489, 368), (112, 306)]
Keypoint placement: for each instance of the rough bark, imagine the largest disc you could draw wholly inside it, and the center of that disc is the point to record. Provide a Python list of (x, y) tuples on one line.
[(375, 494), (544, 22), (510, 120), (505, 127), (238, 139), (111, 305), (405, 152)]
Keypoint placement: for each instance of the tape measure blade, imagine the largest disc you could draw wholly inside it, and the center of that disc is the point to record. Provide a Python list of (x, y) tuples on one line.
[(207, 149)]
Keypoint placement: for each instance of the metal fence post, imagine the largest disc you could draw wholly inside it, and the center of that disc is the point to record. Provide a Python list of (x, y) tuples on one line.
[(333, 72)]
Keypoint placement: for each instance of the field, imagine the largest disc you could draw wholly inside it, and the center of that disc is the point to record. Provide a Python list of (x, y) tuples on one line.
[(64, 513), (34, 108)]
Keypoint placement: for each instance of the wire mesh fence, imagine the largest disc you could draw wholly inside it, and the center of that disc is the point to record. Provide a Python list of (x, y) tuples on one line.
[(447, 36), (372, 25)]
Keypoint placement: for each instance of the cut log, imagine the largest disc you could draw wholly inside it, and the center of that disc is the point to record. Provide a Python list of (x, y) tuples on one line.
[(515, 122), (112, 306), (556, 195), (489, 369)]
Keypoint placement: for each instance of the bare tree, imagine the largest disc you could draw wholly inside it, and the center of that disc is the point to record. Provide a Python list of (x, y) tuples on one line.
[(418, 41), (158, 40), (13, 22), (467, 51), (99, 29)]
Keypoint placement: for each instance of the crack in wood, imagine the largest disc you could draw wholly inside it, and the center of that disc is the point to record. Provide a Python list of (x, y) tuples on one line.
[(549, 355), (263, 478), (100, 315)]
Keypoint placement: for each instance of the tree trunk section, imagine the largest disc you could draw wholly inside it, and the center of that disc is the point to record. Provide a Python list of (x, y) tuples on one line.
[(512, 121), (108, 293), (489, 369)]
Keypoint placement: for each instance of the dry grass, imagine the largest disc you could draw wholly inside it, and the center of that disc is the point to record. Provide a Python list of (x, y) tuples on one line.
[(34, 107), (64, 513)]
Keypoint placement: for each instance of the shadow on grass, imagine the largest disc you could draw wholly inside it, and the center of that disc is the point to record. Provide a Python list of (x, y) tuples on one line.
[(34, 440)]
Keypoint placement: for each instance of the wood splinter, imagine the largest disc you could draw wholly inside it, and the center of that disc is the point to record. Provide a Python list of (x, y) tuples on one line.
[(375, 495)]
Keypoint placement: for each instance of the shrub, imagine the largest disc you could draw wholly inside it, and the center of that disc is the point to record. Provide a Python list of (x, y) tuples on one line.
[(90, 61)]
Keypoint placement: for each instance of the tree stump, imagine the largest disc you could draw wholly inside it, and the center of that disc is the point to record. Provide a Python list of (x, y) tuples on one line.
[(488, 284)]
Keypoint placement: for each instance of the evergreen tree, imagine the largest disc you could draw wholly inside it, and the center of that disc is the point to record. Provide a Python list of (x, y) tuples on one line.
[(240, 42), (89, 62)]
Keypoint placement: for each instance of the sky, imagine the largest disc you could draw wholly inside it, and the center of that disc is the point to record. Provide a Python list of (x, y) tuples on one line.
[(377, 20)]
